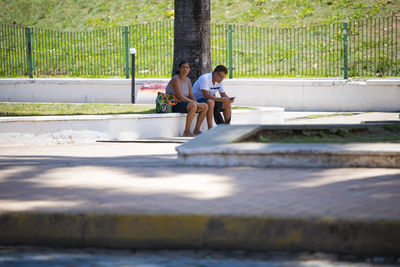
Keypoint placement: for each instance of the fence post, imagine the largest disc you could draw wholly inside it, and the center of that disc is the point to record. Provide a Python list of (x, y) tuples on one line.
[(29, 49), (345, 51), (126, 51), (133, 52), (230, 50)]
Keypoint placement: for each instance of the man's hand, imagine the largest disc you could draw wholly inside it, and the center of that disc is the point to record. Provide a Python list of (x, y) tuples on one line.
[(228, 100)]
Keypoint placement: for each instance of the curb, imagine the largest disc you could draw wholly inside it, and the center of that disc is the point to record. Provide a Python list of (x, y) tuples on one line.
[(226, 150), (373, 155), (361, 237)]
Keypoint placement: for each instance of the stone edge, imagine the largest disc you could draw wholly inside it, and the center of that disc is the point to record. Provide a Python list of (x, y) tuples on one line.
[(136, 231), (218, 148)]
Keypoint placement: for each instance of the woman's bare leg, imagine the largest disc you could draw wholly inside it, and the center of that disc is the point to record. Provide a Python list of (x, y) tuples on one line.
[(203, 112), (191, 109)]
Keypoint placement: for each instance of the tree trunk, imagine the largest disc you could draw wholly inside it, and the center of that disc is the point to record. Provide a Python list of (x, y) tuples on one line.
[(192, 36)]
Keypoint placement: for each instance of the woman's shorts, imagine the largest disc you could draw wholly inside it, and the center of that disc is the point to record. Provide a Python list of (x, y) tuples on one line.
[(181, 107), (217, 104)]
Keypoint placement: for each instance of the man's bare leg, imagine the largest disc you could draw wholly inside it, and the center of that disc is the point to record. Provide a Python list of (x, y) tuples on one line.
[(227, 111), (210, 113)]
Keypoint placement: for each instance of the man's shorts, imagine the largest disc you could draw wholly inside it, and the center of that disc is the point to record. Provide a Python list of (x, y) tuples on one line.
[(218, 105), (181, 107)]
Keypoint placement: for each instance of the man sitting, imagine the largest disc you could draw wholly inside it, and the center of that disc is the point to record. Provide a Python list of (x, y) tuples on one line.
[(204, 90)]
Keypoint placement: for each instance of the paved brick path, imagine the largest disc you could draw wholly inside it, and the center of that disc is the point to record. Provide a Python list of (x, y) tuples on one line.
[(145, 178)]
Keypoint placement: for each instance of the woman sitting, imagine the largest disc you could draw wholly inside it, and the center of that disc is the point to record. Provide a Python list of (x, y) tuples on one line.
[(181, 86)]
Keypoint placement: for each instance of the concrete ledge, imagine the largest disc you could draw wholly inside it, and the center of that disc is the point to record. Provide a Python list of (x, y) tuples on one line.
[(295, 155), (77, 90), (318, 94), (222, 152), (87, 128), (201, 232), (291, 94)]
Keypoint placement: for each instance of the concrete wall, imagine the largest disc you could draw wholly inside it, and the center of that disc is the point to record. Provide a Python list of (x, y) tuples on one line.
[(326, 95), (66, 90), (291, 94), (88, 128)]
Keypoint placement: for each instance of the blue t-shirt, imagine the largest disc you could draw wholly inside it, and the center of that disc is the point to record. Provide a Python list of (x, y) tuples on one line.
[(204, 82)]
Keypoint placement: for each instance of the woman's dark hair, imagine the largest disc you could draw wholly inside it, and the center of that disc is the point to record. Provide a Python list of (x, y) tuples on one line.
[(221, 68), (180, 65)]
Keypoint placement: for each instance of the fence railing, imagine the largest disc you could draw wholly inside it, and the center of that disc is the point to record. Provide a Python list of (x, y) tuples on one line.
[(362, 48)]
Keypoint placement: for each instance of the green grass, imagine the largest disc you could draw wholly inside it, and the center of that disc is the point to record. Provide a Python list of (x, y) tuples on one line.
[(81, 15), (41, 109), (318, 116), (336, 139), (238, 108), (389, 133)]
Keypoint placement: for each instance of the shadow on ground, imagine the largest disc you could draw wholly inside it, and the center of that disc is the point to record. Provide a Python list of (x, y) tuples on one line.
[(157, 184)]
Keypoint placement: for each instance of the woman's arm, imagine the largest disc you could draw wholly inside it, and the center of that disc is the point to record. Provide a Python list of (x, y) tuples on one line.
[(178, 90), (191, 92)]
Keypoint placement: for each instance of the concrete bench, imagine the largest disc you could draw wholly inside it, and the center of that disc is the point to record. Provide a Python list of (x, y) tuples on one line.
[(90, 128)]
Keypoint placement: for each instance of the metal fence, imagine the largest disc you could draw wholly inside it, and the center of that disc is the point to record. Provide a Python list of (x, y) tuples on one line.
[(357, 49), (29, 51)]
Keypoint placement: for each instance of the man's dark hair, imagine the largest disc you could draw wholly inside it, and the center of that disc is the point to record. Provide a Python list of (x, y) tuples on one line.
[(221, 68)]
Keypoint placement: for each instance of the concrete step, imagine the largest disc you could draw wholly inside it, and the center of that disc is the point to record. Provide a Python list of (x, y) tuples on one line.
[(224, 149)]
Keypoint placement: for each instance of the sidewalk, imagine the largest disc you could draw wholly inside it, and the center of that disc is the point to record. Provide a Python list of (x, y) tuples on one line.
[(136, 195)]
